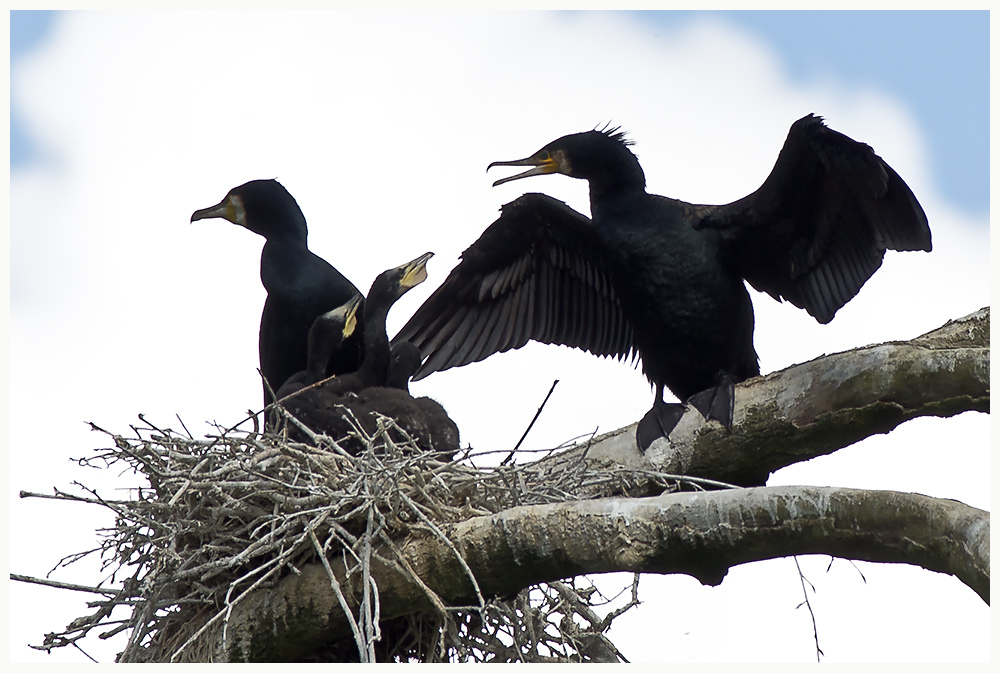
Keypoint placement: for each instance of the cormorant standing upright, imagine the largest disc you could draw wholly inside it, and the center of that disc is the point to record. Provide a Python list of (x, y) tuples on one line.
[(663, 277), (300, 285)]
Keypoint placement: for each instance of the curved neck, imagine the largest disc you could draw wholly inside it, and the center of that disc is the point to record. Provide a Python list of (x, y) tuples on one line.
[(374, 368), (319, 351), (612, 171), (605, 191), (279, 261), (610, 195)]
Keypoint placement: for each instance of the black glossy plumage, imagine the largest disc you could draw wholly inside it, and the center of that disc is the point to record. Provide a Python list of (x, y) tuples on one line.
[(300, 285), (369, 391), (326, 336), (403, 364), (388, 287), (523, 279), (663, 277)]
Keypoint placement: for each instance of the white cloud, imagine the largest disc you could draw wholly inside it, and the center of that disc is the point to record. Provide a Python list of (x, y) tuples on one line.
[(381, 126)]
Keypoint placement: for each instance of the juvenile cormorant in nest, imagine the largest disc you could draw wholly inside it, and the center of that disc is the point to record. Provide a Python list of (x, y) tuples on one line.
[(326, 336), (300, 286), (369, 389), (665, 278)]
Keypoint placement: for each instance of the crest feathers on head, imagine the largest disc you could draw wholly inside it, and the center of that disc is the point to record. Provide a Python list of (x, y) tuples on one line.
[(615, 133)]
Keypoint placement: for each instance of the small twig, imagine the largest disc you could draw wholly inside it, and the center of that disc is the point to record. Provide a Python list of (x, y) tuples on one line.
[(335, 585), (84, 653), (812, 615), (179, 420), (586, 449), (853, 564), (64, 585), (635, 602), (538, 413), (581, 608), (367, 598), (62, 496), (412, 575), (450, 544)]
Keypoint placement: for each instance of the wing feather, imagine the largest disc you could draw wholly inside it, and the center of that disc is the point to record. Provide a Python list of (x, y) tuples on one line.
[(819, 226), (538, 273)]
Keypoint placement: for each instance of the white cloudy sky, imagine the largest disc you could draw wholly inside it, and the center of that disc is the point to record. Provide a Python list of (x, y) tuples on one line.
[(381, 126)]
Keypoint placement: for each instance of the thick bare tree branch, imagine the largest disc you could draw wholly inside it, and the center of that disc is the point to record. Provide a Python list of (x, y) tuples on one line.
[(817, 407), (700, 534)]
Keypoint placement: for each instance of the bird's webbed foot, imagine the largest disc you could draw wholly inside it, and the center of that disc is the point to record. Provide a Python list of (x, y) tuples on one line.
[(717, 403), (658, 422)]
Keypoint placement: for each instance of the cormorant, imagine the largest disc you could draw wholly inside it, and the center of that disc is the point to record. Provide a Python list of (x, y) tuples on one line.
[(300, 285), (326, 336), (368, 390), (665, 278), (388, 287)]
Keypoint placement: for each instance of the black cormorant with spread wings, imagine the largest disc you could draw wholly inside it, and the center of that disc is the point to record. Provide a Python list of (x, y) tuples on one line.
[(665, 278), (300, 285)]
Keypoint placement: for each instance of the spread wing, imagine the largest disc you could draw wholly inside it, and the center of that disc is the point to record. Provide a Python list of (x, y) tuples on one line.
[(538, 272), (818, 227)]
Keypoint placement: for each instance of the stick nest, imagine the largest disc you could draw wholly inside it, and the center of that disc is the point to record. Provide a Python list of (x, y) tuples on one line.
[(228, 515)]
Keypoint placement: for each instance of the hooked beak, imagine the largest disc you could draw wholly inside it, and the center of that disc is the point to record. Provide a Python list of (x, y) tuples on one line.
[(543, 163), (231, 208), (415, 272)]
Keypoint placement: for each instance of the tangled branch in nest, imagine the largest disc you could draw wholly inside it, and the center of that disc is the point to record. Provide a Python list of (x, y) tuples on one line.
[(226, 516)]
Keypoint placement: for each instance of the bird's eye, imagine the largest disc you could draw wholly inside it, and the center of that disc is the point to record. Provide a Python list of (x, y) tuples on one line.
[(543, 155)]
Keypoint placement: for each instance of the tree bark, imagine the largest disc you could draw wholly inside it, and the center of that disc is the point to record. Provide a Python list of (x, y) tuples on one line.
[(700, 534), (813, 409)]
